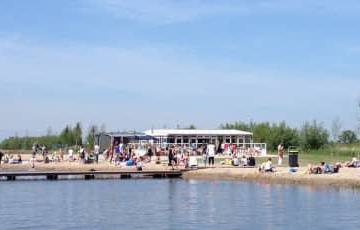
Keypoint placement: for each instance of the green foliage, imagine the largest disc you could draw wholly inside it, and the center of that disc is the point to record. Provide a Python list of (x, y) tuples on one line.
[(68, 137), (27, 142), (237, 125), (313, 136), (264, 132), (191, 127), (90, 138), (77, 132), (282, 133), (348, 137)]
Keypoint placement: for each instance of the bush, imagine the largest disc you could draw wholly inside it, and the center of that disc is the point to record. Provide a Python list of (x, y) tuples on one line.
[(313, 136), (348, 137)]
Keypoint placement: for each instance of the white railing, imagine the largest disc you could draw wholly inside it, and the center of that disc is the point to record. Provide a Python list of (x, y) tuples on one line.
[(254, 149)]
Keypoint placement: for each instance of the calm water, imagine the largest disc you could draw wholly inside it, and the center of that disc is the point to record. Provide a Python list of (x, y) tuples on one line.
[(174, 204)]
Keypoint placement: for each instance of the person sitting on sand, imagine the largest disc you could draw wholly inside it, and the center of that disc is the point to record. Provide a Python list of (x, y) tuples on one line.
[(317, 169), (353, 164), (19, 159), (11, 159), (336, 168), (267, 166), (244, 161), (325, 167), (309, 169), (6, 158)]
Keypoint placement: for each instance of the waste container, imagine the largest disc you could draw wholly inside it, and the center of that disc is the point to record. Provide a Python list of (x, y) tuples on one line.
[(293, 157)]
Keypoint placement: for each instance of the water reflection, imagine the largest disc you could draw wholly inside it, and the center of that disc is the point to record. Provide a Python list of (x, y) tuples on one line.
[(174, 204)]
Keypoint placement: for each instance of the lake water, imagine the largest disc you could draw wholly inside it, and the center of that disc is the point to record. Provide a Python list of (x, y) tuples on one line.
[(174, 204)]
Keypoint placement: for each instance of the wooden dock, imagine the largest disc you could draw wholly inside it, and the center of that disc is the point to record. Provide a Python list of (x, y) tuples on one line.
[(89, 175)]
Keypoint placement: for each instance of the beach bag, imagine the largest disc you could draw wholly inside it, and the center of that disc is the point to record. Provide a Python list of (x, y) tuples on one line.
[(129, 163), (251, 161)]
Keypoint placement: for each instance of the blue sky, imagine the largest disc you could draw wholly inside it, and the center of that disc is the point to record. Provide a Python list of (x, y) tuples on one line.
[(140, 64)]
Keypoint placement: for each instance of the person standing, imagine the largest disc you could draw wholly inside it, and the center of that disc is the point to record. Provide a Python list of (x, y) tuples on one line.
[(171, 157), (61, 154), (43, 151), (82, 154), (211, 154), (96, 153), (150, 153), (280, 150), (1, 156), (34, 149), (205, 154)]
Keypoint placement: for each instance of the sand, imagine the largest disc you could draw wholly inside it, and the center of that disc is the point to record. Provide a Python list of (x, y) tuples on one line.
[(348, 177)]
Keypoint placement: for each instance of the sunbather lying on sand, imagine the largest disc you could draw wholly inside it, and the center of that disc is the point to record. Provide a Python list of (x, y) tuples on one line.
[(323, 168), (354, 163)]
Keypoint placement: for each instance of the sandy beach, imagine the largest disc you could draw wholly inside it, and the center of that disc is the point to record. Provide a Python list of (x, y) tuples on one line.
[(347, 177)]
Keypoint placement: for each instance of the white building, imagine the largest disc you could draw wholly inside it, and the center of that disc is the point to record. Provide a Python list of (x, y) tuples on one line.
[(223, 139), (198, 136)]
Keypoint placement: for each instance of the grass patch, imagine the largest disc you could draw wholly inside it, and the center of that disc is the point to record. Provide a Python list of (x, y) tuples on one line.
[(330, 154)]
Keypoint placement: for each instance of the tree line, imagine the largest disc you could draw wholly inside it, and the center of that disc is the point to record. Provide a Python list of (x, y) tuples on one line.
[(69, 136), (312, 135)]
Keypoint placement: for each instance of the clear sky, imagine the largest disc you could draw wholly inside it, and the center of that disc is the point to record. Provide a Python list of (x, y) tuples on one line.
[(137, 64)]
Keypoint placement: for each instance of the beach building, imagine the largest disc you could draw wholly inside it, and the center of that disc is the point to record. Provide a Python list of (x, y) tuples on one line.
[(198, 136), (223, 139)]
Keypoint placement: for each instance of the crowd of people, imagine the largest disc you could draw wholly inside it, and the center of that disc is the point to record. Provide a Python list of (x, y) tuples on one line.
[(10, 158), (120, 154)]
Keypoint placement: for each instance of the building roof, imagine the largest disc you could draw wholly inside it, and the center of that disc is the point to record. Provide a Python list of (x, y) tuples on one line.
[(125, 134), (204, 132)]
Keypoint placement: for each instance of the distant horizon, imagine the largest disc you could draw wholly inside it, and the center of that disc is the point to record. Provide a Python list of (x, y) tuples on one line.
[(133, 65)]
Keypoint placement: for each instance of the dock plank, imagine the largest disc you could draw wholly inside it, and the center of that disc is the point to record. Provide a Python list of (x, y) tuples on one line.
[(170, 173)]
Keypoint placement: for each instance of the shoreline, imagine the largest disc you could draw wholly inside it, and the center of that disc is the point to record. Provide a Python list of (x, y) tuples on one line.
[(347, 177)]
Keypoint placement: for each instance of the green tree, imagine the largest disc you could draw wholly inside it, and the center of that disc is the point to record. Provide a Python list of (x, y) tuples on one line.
[(336, 128), (313, 135), (348, 137), (282, 133), (191, 127), (66, 136), (90, 138), (77, 132), (237, 125), (272, 134)]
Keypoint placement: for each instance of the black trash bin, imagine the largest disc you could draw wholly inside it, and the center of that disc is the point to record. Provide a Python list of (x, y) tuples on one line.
[(293, 157)]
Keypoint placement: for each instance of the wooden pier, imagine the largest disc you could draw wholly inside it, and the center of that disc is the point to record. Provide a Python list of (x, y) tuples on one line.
[(90, 175)]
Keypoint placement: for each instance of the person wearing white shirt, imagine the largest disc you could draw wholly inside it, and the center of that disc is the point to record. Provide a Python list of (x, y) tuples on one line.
[(96, 153), (268, 166), (211, 154)]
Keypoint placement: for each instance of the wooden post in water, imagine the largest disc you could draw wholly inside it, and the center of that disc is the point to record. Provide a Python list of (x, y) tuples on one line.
[(125, 176), (89, 177), (52, 177), (10, 178)]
